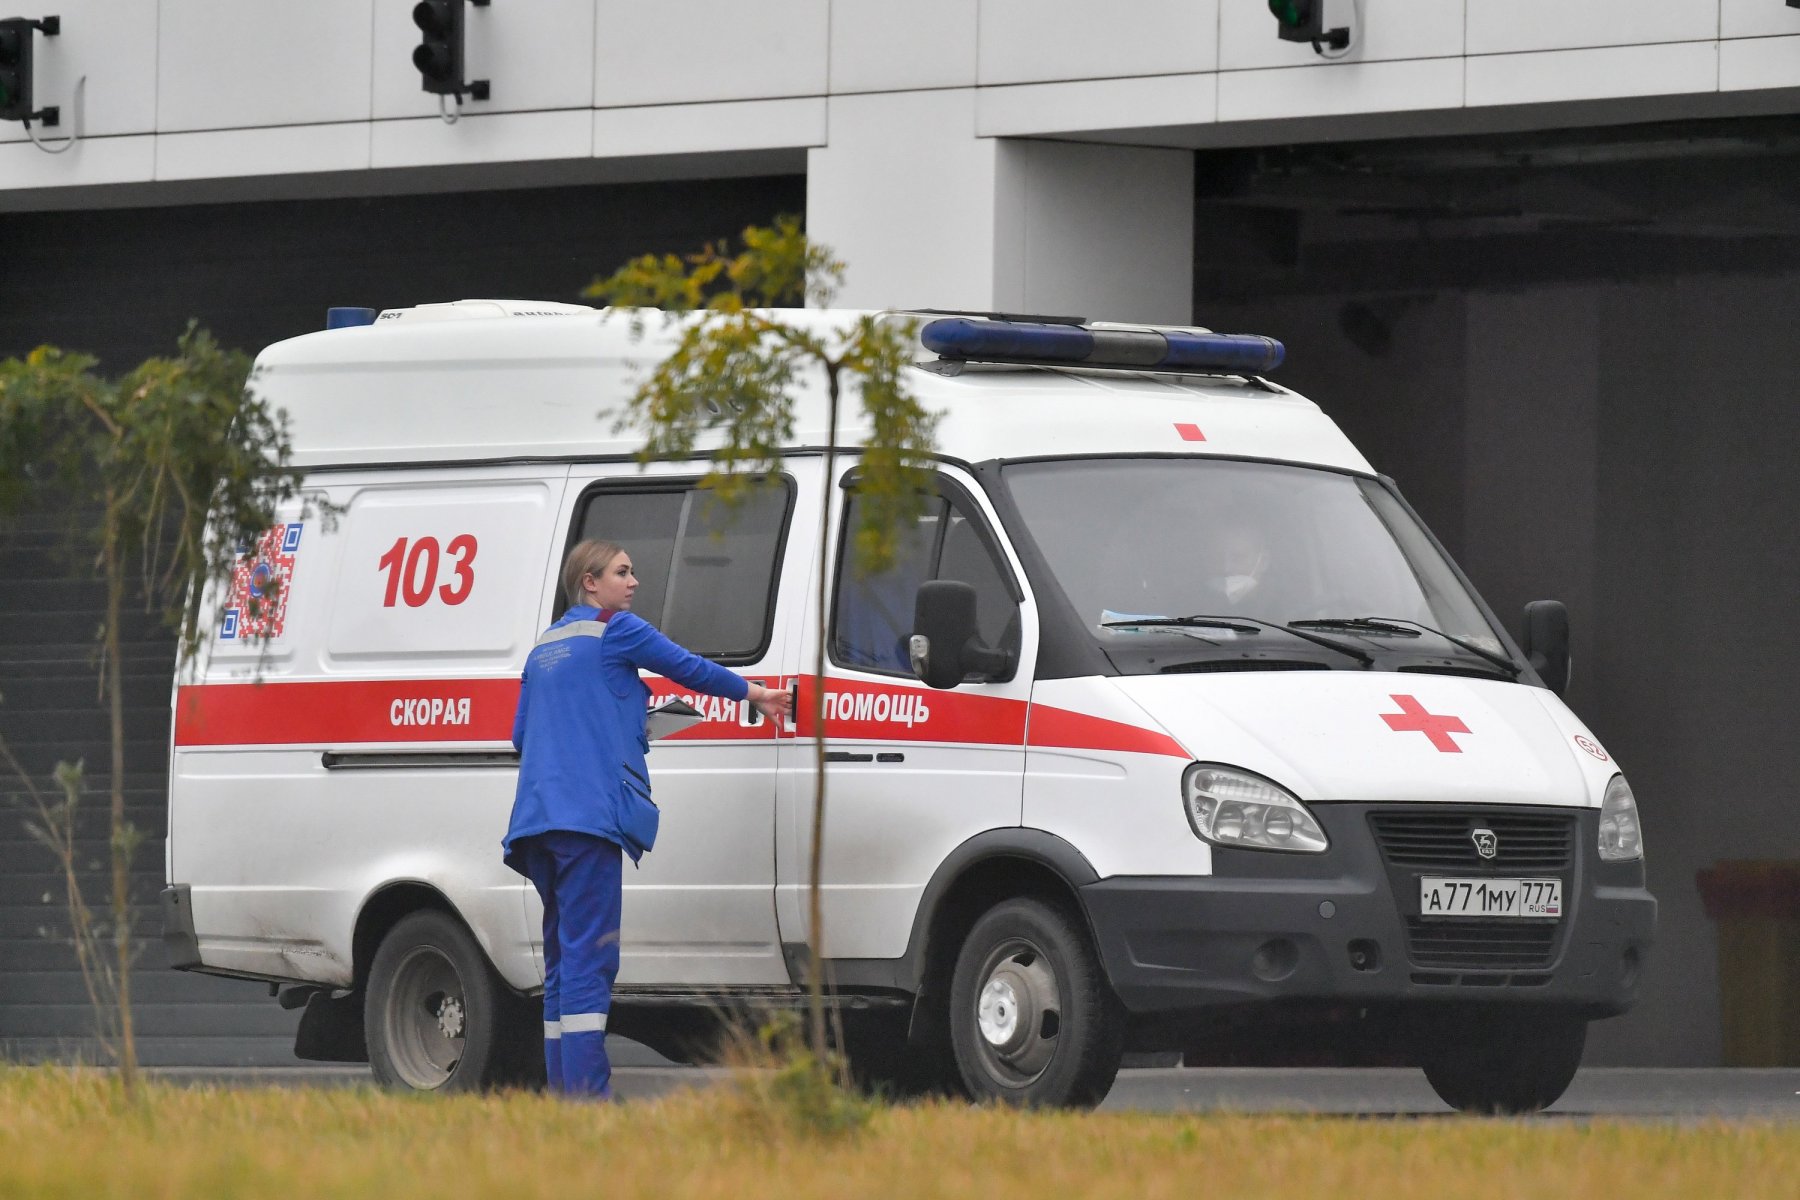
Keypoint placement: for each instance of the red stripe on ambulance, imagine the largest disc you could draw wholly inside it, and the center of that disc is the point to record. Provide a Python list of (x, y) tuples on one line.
[(345, 711), (1060, 728), (859, 710), (351, 712)]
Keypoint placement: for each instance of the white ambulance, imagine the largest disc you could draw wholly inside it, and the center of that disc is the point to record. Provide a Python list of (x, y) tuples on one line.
[(1172, 728)]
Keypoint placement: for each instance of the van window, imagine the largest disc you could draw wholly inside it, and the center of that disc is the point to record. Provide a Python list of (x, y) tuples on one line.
[(873, 614), (706, 570)]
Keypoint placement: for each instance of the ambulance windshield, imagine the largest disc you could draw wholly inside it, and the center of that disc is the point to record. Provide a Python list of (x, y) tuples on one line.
[(1136, 542)]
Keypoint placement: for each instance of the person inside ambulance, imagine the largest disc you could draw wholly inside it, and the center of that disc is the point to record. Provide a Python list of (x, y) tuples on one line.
[(1223, 571), (1242, 567), (583, 799)]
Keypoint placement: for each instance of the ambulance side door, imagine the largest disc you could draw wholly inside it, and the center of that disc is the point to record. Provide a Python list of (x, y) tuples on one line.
[(911, 772), (699, 908)]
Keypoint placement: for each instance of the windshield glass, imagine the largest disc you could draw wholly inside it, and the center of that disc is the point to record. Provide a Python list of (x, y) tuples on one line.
[(1170, 538)]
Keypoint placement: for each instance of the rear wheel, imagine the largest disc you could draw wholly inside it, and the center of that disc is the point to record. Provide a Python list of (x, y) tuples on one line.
[(1504, 1064), (437, 1016), (1032, 1019)]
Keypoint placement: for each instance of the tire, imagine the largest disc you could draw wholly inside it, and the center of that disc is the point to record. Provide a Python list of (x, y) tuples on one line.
[(437, 1017), (1033, 1022), (1504, 1065)]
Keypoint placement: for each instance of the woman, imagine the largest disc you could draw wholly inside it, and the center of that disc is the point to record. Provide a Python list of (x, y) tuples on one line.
[(584, 792)]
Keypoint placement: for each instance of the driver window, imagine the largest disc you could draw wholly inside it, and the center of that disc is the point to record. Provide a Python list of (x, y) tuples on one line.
[(872, 614)]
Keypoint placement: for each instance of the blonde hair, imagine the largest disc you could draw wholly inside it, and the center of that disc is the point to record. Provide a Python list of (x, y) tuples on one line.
[(587, 557)]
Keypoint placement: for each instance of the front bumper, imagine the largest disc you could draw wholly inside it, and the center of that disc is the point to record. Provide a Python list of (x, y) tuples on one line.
[(1344, 926)]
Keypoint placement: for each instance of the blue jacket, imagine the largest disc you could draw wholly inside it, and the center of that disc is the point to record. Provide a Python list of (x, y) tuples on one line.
[(579, 728)]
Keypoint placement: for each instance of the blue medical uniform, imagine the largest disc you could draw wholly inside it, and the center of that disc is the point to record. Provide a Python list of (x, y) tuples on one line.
[(583, 801)]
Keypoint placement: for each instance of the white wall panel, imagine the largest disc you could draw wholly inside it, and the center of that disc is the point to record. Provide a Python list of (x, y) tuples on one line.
[(674, 51), (233, 64), (1345, 88), (905, 195), (283, 150), (100, 161), (1764, 62), (113, 45), (1756, 18), (502, 137), (880, 45), (1032, 41), (798, 122), (1592, 74), (1042, 108), (535, 54), (1107, 231), (1386, 29), (1505, 26)]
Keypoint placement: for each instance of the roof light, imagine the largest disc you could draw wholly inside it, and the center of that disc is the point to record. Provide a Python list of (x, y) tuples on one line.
[(343, 317), (1078, 345)]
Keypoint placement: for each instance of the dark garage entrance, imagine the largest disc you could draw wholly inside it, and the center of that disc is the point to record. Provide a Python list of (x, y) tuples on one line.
[(1575, 352)]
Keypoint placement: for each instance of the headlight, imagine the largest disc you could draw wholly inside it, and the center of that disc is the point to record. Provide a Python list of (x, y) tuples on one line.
[(1235, 808), (1621, 837)]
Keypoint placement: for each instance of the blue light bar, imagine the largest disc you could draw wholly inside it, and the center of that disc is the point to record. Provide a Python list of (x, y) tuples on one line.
[(1078, 345), (343, 317)]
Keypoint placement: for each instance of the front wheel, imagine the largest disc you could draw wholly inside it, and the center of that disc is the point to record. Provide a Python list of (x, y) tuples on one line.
[(1032, 1019), (1504, 1064), (436, 1015)]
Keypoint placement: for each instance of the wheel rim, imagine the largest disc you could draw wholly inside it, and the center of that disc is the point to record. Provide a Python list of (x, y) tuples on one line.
[(427, 1018), (1018, 1013)]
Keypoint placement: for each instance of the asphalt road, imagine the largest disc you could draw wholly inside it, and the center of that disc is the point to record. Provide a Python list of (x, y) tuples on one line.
[(1597, 1092), (1636, 1093)]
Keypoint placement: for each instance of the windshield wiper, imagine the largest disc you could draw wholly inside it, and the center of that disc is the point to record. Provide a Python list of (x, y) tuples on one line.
[(1236, 626), (1241, 624), (1359, 624), (1402, 627)]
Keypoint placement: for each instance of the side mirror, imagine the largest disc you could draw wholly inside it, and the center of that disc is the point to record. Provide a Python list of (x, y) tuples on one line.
[(1545, 640), (944, 647)]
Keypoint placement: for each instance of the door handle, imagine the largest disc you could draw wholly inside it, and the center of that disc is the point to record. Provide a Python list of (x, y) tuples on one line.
[(832, 756)]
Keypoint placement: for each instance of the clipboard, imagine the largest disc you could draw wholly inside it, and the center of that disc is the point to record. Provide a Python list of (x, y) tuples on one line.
[(671, 716)]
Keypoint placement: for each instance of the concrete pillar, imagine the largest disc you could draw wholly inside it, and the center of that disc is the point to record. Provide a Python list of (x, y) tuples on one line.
[(927, 214)]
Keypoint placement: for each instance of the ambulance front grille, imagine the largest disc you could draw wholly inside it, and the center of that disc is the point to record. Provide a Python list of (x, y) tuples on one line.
[(1481, 945), (1443, 841)]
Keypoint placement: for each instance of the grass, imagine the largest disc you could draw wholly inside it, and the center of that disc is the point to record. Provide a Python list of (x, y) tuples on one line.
[(69, 1133)]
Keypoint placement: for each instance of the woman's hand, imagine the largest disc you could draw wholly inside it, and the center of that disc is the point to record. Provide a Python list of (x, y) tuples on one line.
[(771, 703)]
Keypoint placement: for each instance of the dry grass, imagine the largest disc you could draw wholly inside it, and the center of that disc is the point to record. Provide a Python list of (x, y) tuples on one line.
[(72, 1134)]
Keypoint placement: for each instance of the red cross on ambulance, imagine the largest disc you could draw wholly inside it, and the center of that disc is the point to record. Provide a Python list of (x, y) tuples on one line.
[(1413, 717)]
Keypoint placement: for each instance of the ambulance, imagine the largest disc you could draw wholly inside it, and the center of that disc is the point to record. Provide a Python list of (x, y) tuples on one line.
[(1171, 729)]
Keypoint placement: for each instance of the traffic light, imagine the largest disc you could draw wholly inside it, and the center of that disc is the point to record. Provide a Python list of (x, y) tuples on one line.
[(439, 54), (1304, 21), (15, 68)]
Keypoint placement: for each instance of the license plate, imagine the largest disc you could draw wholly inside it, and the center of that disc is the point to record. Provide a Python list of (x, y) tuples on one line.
[(1441, 897)]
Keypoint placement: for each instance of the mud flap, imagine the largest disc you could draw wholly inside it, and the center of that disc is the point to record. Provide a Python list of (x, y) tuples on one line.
[(331, 1029)]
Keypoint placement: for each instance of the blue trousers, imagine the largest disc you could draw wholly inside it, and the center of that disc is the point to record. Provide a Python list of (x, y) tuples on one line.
[(577, 876)]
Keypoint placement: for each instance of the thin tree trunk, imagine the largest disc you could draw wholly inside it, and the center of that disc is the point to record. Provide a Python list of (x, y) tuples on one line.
[(57, 827), (120, 839), (815, 915)]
